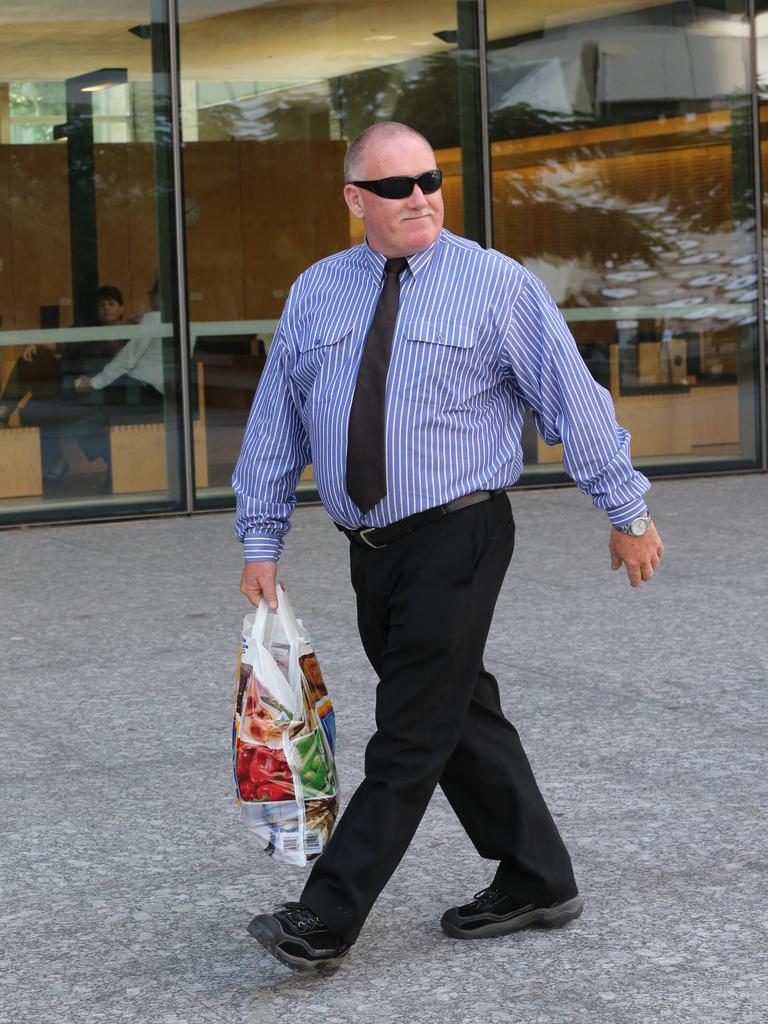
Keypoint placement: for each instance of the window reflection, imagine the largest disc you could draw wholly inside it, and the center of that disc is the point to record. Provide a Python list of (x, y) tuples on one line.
[(88, 410), (622, 175)]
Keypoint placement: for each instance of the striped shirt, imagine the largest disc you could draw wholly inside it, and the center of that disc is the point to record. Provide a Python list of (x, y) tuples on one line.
[(477, 340)]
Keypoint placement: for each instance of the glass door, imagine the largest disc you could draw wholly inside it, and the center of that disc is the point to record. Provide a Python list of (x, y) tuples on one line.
[(271, 96), (89, 403)]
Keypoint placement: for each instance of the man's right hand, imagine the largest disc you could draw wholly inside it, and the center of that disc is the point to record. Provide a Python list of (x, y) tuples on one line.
[(259, 578)]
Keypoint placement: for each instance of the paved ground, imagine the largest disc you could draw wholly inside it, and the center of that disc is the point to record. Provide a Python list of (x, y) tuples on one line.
[(127, 880)]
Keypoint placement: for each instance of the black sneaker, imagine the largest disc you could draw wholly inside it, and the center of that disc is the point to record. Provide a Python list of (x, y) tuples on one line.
[(494, 912), (297, 937)]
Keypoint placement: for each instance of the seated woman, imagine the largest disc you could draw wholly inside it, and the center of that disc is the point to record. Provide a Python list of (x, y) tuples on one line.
[(44, 374), (37, 373)]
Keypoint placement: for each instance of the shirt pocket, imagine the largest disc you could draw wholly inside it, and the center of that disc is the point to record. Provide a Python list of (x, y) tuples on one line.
[(442, 363), (320, 355)]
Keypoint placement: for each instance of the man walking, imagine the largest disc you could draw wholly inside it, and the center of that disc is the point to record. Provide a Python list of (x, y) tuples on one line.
[(401, 368)]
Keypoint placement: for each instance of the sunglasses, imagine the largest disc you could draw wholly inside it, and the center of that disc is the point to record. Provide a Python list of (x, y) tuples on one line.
[(401, 185)]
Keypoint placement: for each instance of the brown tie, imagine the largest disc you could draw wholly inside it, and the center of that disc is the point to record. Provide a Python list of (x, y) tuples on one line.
[(366, 441)]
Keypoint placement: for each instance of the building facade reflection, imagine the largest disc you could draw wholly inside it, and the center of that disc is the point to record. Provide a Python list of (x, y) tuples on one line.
[(614, 149)]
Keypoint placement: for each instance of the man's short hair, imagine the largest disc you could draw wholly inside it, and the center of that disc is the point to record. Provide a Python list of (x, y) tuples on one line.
[(109, 291), (356, 151)]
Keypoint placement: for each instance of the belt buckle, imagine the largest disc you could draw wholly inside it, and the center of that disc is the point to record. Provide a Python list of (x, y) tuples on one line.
[(362, 535)]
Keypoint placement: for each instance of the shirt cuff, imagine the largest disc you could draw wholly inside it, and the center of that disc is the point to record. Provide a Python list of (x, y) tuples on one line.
[(98, 383), (626, 513), (261, 548)]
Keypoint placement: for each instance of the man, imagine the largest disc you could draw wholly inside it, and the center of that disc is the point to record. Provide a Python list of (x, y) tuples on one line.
[(408, 397), (140, 359)]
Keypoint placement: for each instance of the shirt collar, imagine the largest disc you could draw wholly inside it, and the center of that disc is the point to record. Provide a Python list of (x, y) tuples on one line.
[(417, 263)]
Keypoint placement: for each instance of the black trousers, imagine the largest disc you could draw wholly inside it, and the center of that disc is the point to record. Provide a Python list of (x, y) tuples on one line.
[(425, 605)]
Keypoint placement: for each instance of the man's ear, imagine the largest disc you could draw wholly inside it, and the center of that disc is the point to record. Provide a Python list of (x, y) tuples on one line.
[(352, 199)]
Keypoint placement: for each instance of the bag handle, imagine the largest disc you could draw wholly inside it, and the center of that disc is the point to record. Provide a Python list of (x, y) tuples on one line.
[(259, 621), (287, 617), (263, 624)]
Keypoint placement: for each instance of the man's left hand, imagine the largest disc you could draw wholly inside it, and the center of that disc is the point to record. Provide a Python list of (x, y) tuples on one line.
[(83, 385), (639, 555)]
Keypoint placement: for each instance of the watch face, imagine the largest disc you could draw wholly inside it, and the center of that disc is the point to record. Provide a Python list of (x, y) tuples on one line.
[(638, 527)]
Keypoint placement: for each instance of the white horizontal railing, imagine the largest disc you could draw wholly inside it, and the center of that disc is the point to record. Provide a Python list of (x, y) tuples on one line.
[(213, 328), (67, 335)]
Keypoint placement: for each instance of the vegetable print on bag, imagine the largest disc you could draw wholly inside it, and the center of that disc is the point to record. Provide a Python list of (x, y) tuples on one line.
[(283, 738)]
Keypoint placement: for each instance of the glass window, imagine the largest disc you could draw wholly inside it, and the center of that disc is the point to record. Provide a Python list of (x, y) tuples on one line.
[(271, 96), (89, 417), (761, 55), (622, 171)]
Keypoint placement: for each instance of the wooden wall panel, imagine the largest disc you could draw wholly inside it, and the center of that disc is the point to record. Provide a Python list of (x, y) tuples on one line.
[(578, 209), (715, 415), (8, 354), (126, 220), (6, 262), (258, 214), (293, 213), (214, 231), (39, 232), (143, 240), (453, 200)]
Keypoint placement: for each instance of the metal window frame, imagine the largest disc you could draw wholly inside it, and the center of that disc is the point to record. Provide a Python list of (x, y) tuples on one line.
[(180, 255), (752, 71), (485, 135)]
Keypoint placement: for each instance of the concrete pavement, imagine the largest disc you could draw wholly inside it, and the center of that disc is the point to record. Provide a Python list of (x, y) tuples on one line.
[(127, 879)]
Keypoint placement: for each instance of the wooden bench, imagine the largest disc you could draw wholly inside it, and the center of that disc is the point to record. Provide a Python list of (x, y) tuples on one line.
[(140, 460), (21, 472), (674, 424)]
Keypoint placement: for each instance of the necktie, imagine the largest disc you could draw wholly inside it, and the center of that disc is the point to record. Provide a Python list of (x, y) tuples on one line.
[(366, 443)]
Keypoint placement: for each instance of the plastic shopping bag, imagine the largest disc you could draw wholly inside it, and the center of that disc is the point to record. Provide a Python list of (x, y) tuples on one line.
[(283, 738)]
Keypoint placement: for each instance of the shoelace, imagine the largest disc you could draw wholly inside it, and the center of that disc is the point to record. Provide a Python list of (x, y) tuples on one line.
[(302, 917), (486, 896)]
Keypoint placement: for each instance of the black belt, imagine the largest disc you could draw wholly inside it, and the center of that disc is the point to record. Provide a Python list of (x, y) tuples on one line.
[(380, 536)]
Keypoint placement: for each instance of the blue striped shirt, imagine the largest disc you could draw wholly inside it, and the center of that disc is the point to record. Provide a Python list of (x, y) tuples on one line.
[(477, 339)]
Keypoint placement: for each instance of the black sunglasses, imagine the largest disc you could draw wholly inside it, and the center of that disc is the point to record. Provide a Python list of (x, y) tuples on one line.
[(401, 185)]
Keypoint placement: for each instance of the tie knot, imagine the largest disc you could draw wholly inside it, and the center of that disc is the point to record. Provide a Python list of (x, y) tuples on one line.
[(396, 265)]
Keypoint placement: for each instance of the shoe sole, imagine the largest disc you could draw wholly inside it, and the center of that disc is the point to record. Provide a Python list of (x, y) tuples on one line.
[(541, 917), (296, 963)]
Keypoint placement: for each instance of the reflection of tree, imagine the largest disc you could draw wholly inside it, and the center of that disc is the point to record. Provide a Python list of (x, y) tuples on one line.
[(596, 242), (423, 93), (429, 100), (299, 112), (365, 97), (522, 120)]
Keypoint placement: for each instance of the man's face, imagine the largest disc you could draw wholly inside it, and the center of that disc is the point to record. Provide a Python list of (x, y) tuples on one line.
[(397, 227), (109, 311)]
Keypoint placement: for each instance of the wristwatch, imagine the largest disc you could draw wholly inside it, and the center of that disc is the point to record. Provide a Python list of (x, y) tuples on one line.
[(635, 527)]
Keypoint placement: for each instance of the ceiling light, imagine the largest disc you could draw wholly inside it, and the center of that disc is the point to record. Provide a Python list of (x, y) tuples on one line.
[(104, 78)]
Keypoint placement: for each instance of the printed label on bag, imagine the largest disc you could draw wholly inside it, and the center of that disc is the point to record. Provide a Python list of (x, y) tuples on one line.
[(313, 842), (288, 842)]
